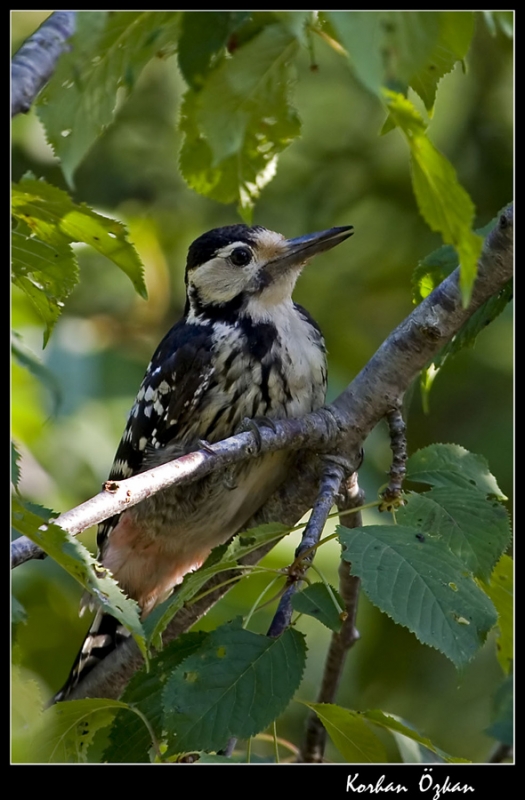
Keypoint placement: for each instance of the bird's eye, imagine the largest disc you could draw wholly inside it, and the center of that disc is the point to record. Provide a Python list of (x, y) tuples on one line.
[(240, 256)]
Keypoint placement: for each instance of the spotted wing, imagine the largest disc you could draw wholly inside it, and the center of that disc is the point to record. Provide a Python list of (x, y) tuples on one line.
[(164, 408)]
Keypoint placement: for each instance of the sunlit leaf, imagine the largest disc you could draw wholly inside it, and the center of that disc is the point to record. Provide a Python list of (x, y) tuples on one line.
[(108, 52)]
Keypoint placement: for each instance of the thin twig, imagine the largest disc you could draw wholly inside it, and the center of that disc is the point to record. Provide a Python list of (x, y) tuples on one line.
[(333, 474), (314, 744), (398, 444)]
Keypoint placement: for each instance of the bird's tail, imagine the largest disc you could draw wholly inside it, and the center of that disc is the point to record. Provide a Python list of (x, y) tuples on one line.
[(105, 634)]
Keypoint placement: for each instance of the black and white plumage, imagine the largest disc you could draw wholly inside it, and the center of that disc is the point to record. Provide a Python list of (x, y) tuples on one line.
[(243, 349)]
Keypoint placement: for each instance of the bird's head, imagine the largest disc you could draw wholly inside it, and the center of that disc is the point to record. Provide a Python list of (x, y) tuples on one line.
[(227, 268)]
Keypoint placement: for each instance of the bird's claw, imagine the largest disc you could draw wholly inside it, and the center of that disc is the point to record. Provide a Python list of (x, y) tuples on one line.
[(254, 426), (204, 445)]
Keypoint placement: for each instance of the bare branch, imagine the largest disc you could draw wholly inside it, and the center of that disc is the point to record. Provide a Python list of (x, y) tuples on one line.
[(35, 61)]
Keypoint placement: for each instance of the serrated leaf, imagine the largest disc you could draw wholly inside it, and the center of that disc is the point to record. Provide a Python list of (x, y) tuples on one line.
[(396, 49), (45, 272), (456, 29), (452, 465), (235, 685), (68, 729), (318, 602), (434, 268), (418, 582), (386, 48), (237, 124), (501, 592), (348, 730), (395, 726), (476, 530), (443, 202), (56, 220), (78, 562), (130, 740), (108, 53), (203, 36)]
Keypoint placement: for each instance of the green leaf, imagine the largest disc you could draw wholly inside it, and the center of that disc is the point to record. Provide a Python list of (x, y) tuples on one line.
[(235, 685), (348, 730), (45, 272), (396, 727), (319, 602), (54, 219), (443, 202), (130, 740), (456, 29), (386, 48), (475, 529), (396, 49), (108, 53), (432, 270), (237, 124), (204, 35), (78, 561), (68, 729), (501, 592), (452, 465), (468, 333), (361, 33), (418, 582)]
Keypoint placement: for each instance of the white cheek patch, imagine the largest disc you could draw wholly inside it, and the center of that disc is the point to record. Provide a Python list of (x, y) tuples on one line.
[(219, 281)]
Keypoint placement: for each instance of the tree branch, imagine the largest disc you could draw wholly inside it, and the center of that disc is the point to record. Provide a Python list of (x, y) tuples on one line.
[(35, 61), (339, 429)]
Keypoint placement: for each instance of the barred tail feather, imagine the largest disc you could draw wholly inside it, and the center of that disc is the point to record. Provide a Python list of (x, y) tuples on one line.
[(104, 636)]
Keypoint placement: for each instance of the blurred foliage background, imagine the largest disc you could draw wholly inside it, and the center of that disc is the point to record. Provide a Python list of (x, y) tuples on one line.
[(340, 172)]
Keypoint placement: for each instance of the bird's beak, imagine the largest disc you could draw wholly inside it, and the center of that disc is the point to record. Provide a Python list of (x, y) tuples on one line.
[(297, 251)]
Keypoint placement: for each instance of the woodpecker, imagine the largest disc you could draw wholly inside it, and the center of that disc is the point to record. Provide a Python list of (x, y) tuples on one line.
[(242, 350)]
